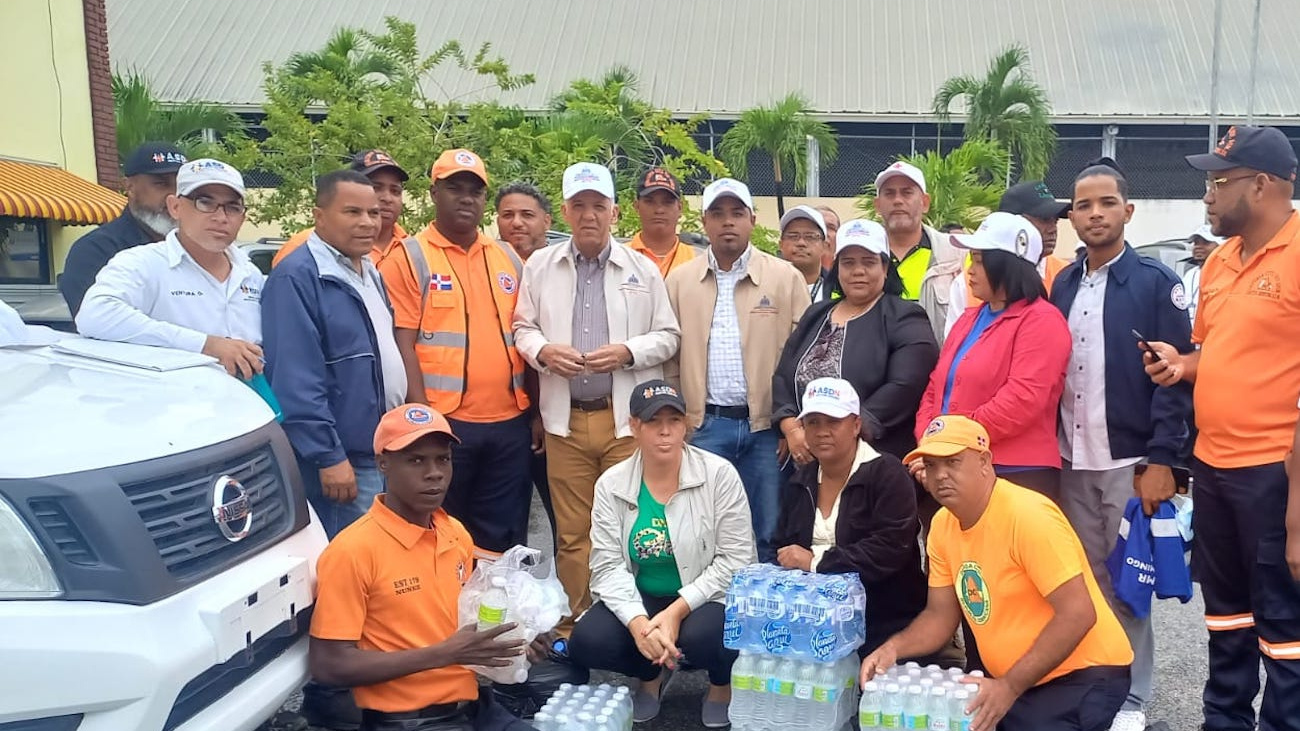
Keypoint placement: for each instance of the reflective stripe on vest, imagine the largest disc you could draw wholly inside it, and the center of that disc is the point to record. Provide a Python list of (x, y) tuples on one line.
[(442, 351)]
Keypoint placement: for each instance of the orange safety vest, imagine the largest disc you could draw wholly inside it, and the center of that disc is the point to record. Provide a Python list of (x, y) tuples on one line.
[(442, 340)]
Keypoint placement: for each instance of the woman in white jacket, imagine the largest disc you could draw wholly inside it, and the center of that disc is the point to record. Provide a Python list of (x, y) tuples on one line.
[(669, 526)]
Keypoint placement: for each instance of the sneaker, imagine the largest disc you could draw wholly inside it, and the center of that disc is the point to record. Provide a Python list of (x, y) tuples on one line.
[(714, 715), (645, 707), (1129, 721)]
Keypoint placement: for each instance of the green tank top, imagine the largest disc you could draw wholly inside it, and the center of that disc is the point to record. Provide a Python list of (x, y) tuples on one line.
[(651, 548)]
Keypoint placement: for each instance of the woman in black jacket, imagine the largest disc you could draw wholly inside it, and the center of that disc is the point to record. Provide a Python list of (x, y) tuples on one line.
[(868, 335), (853, 509)]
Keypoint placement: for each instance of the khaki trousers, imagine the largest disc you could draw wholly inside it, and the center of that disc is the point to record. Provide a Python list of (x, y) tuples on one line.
[(572, 465)]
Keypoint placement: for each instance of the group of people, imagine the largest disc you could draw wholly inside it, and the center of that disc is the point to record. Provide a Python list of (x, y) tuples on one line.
[(957, 418)]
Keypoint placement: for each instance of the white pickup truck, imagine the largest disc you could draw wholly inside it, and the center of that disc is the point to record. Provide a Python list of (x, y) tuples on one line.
[(157, 553)]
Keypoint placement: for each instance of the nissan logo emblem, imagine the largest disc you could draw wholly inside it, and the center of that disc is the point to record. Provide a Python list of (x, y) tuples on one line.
[(232, 509)]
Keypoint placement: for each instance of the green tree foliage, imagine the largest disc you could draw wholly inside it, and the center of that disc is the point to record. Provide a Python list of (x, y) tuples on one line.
[(964, 185), (1005, 105), (141, 118), (781, 131)]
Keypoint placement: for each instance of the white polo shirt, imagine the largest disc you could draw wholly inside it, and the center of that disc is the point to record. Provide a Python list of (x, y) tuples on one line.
[(156, 294)]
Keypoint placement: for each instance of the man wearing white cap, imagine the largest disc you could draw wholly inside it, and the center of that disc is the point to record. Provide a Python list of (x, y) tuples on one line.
[(192, 291), (593, 317), (925, 259), (804, 244), (737, 305), (1204, 242)]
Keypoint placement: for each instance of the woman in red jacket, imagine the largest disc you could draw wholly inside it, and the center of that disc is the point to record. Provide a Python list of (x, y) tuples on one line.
[(1004, 362)]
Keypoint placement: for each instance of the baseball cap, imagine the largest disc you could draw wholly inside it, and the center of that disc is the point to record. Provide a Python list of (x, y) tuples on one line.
[(587, 176), (1264, 149), (862, 232), (906, 170), (372, 161), (658, 179), (804, 212), (400, 427), (651, 396), (1003, 231), (1032, 198), (197, 173), (154, 158), (949, 434), (834, 397), (730, 187), (451, 162), (1206, 233)]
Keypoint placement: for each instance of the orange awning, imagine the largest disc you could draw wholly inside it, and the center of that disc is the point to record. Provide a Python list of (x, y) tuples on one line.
[(36, 191)]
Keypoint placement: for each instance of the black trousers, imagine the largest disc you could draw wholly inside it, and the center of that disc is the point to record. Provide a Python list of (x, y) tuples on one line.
[(484, 714), (1046, 481), (601, 642), (491, 481), (1084, 700), (1252, 605)]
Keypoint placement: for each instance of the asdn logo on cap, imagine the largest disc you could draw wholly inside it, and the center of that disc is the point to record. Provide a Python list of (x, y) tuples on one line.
[(207, 165), (825, 391), (586, 175), (653, 391), (856, 227), (465, 159)]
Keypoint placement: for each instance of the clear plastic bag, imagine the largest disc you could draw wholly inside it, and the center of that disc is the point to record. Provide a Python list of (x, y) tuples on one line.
[(534, 600)]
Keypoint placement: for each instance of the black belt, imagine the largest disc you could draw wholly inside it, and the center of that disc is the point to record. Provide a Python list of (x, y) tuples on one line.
[(435, 712), (727, 412), (591, 404)]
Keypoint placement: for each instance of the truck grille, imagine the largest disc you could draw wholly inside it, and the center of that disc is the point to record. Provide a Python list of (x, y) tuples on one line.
[(177, 511)]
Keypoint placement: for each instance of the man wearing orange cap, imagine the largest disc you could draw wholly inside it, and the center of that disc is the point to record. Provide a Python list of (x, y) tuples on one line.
[(385, 621), (1006, 558), (453, 290)]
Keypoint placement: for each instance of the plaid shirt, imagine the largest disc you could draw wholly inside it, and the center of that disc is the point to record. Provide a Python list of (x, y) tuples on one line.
[(726, 371)]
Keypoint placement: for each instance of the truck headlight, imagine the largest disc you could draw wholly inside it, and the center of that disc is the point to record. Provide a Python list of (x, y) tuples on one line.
[(25, 571)]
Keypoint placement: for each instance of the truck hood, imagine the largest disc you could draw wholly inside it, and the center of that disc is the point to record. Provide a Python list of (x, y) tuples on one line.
[(62, 413)]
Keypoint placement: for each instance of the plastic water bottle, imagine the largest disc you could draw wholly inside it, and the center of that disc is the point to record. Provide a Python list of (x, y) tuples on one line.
[(958, 718), (784, 712), (914, 709), (764, 689), (493, 611), (826, 693), (938, 709), (870, 707), (742, 683), (804, 677), (542, 721), (891, 715)]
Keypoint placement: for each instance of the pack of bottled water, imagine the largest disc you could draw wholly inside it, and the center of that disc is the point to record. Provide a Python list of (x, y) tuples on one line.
[(772, 693), (913, 697), (602, 707), (795, 614)]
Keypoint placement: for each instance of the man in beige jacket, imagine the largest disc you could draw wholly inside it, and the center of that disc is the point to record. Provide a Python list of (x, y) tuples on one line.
[(737, 305), (593, 318)]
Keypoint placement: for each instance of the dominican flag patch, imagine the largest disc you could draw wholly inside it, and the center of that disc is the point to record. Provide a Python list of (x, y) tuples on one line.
[(440, 283)]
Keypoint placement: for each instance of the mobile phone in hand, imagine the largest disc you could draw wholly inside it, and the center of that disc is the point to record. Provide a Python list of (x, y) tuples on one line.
[(1142, 341)]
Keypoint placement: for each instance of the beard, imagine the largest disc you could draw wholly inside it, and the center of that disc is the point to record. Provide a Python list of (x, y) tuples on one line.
[(157, 221)]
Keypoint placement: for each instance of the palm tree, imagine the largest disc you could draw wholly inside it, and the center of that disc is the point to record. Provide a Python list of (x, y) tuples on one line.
[(1006, 105), (609, 111), (141, 117), (347, 59), (964, 185), (782, 131)]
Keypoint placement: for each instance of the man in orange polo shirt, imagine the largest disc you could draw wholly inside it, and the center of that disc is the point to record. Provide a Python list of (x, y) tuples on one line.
[(453, 290), (1006, 558), (387, 177), (659, 206), (385, 621), (1245, 377)]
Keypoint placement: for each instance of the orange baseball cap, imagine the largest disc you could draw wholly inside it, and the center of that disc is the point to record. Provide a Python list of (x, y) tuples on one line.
[(451, 162), (400, 427), (947, 435)]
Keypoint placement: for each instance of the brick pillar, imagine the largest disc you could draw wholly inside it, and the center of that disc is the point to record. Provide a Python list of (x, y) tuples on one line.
[(101, 93)]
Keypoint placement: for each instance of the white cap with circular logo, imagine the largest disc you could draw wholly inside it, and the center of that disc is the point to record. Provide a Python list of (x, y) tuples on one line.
[(1004, 232)]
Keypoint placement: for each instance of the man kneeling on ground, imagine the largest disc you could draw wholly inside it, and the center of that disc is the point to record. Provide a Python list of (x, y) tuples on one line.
[(1008, 559), (385, 622)]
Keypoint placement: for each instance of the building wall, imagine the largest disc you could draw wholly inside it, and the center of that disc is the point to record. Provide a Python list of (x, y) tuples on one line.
[(47, 114)]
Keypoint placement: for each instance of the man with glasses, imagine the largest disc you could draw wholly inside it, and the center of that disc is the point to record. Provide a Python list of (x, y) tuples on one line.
[(803, 244), (1246, 376), (194, 290)]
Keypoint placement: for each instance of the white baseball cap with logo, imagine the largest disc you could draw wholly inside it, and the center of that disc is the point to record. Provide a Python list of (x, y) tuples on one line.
[(730, 187), (197, 173), (587, 176), (833, 397), (1004, 232), (1206, 233), (864, 233), (901, 169), (806, 213)]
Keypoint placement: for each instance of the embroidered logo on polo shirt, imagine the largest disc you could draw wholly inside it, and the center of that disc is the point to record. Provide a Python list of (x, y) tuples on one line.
[(406, 586), (973, 592), (1267, 284)]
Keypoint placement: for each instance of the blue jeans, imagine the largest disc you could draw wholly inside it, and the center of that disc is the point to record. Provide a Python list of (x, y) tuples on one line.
[(335, 516), (754, 456)]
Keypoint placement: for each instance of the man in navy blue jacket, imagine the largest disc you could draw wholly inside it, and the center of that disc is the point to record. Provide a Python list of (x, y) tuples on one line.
[(1118, 431), (332, 361)]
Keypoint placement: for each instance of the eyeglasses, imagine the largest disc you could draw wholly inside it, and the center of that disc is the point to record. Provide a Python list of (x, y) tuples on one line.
[(205, 204), (808, 238), (1212, 184)]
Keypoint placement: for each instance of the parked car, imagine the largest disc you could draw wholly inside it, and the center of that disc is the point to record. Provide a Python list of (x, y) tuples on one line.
[(1173, 253)]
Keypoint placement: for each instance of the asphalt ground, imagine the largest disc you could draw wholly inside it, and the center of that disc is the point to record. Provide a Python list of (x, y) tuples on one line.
[(1179, 673)]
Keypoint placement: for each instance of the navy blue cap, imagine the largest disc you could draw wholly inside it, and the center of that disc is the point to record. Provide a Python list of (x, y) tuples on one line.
[(154, 158), (1264, 149)]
